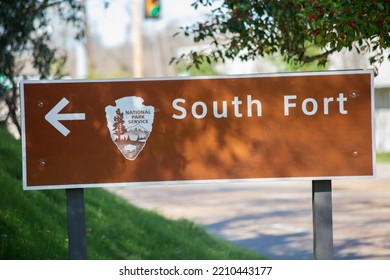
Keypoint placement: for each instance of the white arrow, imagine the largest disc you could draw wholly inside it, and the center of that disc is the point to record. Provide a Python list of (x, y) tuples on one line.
[(53, 117)]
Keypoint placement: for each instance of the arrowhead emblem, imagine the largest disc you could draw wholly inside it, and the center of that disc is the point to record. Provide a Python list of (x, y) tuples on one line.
[(130, 123), (54, 117)]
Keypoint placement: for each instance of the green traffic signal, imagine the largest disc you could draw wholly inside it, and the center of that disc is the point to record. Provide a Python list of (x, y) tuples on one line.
[(152, 8)]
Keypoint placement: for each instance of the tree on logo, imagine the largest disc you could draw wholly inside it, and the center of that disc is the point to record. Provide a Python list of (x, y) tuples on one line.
[(119, 127)]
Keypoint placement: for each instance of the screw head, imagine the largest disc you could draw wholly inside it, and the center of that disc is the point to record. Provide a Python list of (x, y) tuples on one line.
[(354, 94)]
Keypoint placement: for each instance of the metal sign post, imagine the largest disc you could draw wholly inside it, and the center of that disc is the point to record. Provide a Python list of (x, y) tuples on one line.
[(322, 219), (76, 224)]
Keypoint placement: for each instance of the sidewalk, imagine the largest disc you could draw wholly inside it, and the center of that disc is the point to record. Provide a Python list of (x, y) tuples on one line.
[(275, 218)]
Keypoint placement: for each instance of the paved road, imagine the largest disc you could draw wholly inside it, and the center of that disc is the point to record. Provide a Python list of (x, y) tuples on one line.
[(276, 219)]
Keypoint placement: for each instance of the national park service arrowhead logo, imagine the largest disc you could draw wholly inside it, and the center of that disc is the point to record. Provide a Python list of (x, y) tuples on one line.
[(130, 124)]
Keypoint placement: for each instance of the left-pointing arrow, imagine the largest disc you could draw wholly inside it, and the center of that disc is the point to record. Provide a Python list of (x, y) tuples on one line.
[(54, 117)]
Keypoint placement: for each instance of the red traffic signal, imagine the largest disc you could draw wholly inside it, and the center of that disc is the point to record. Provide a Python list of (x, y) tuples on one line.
[(152, 8)]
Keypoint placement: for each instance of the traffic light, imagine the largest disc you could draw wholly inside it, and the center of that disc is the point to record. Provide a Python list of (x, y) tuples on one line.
[(152, 8)]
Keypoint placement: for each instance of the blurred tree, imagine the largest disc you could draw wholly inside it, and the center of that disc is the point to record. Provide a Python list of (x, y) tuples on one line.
[(25, 37), (203, 69), (248, 29)]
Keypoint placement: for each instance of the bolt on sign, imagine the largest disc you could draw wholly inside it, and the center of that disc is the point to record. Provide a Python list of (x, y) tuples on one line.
[(315, 125)]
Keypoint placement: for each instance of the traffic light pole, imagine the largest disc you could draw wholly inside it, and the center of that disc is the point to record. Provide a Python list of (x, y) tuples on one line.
[(138, 56)]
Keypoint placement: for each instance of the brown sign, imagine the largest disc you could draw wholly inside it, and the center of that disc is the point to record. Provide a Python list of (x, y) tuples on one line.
[(148, 131)]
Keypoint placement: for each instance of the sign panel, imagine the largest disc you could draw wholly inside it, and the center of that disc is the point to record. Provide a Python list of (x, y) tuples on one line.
[(315, 125)]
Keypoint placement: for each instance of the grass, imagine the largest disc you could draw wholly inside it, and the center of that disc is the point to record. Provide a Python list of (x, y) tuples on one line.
[(33, 224), (383, 157)]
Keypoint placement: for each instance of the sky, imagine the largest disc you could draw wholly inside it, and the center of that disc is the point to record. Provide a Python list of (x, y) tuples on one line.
[(111, 24)]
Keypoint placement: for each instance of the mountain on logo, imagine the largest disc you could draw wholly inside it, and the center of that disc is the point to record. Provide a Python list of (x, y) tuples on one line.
[(138, 127), (135, 133), (138, 132)]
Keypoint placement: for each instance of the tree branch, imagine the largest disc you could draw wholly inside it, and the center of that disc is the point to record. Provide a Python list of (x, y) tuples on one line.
[(308, 59)]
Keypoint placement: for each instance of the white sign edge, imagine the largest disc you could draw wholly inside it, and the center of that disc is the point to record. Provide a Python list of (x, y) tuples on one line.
[(194, 182), (23, 135)]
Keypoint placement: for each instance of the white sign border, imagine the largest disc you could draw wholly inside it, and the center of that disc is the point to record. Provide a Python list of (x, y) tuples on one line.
[(187, 182)]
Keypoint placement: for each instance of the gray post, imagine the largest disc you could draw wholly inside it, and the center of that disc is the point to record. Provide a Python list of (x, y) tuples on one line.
[(322, 220), (76, 224)]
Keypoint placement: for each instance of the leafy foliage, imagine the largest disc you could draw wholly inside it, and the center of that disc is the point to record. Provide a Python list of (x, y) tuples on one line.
[(25, 39), (248, 29)]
